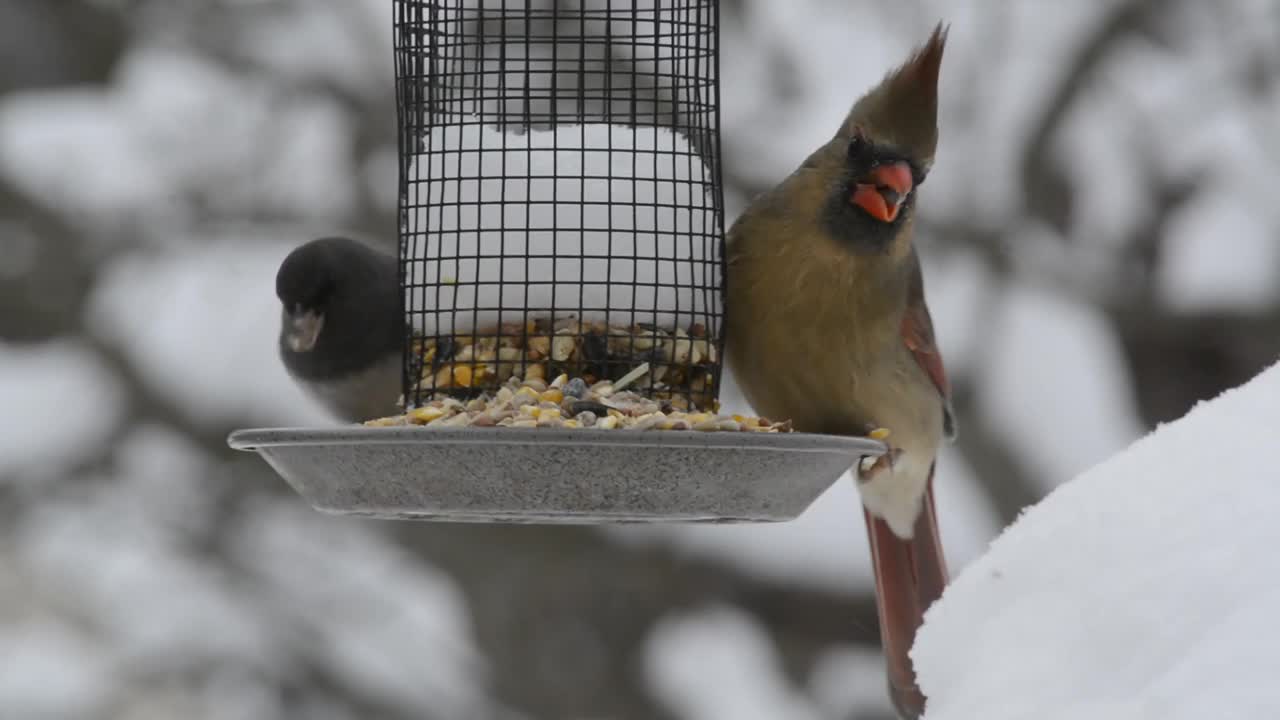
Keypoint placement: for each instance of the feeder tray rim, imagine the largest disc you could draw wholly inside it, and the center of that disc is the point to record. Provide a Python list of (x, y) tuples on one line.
[(250, 439)]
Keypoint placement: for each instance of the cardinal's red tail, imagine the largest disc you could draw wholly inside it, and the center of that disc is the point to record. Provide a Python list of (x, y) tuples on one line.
[(910, 575)]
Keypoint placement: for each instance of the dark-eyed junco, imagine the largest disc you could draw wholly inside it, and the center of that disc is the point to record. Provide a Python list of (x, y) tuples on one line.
[(342, 326)]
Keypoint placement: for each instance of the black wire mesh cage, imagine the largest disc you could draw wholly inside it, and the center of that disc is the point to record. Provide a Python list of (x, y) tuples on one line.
[(561, 201)]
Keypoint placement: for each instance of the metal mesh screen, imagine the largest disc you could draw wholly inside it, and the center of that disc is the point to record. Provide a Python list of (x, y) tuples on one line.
[(561, 205)]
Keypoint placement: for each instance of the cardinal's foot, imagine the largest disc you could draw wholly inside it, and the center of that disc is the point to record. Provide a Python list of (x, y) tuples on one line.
[(870, 467)]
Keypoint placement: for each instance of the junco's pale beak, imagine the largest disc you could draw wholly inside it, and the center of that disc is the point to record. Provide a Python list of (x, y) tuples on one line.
[(303, 329)]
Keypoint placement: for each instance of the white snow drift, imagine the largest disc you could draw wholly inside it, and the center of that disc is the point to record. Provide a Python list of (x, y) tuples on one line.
[(1145, 588)]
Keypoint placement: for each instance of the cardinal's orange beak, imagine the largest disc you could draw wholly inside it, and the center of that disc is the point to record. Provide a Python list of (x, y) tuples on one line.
[(885, 189)]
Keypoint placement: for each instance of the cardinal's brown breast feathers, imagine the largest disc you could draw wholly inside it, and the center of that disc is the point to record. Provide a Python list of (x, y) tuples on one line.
[(814, 336)]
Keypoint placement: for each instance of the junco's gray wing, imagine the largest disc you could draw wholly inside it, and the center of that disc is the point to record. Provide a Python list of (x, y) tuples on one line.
[(342, 326)]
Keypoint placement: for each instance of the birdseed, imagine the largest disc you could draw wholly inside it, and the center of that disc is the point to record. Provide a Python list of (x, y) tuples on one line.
[(675, 366), (532, 402), (602, 377)]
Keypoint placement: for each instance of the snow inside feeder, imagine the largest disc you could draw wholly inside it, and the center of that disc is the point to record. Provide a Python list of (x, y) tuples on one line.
[(561, 261)]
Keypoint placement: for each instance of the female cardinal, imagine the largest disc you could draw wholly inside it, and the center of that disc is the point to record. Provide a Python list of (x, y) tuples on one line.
[(827, 326)]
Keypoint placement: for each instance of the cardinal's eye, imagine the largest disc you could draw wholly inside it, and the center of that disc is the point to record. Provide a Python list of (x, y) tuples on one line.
[(857, 146)]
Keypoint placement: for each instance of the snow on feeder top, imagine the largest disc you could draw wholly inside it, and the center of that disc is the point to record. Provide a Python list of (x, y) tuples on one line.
[(561, 205)]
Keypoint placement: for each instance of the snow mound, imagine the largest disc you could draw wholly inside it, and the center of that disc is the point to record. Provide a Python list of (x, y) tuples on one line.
[(1141, 589)]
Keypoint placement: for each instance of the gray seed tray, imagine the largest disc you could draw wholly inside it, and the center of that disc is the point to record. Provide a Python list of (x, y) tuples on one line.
[(544, 475)]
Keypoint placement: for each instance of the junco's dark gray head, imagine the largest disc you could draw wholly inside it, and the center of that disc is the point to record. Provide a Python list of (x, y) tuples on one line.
[(304, 285), (341, 308)]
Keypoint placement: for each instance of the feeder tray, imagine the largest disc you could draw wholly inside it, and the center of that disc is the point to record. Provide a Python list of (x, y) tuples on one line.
[(540, 475)]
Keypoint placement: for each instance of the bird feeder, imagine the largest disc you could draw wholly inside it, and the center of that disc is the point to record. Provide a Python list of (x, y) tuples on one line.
[(561, 258)]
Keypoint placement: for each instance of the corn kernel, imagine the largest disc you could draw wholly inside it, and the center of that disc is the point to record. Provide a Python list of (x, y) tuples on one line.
[(462, 375), (453, 376), (879, 434), (539, 346), (424, 415), (563, 347), (553, 395)]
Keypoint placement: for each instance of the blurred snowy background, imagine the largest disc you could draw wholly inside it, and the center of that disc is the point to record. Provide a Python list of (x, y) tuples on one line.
[(1100, 240)]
